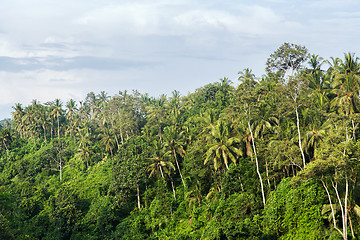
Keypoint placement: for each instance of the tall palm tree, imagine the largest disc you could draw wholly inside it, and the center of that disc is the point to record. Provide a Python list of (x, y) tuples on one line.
[(318, 81), (107, 140), (173, 141), (71, 116), (160, 163), (17, 116), (157, 112), (346, 86), (5, 137), (222, 145), (247, 79), (57, 112), (312, 140)]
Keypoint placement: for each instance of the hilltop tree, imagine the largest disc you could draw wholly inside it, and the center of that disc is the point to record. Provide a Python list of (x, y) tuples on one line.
[(287, 59)]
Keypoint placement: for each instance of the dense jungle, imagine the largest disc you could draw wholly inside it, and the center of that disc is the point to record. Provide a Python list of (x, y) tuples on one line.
[(270, 157)]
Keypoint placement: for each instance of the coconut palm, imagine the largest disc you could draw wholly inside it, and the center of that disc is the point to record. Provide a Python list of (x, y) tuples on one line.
[(17, 117), (247, 79), (173, 142), (222, 145), (57, 112), (346, 86), (160, 163), (318, 81)]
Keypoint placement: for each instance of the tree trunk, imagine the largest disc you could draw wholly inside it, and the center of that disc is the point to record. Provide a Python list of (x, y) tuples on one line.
[(58, 123), (241, 185), (267, 174), (60, 169), (177, 164), (172, 185), (257, 165), (138, 196), (332, 208), (342, 207), (298, 129)]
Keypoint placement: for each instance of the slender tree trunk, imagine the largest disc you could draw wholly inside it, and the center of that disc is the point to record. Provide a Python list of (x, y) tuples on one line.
[(138, 195), (257, 165), (58, 123), (267, 174), (172, 186), (342, 207), (60, 169), (299, 135), (177, 164), (332, 208), (351, 227), (345, 223), (51, 131), (241, 185)]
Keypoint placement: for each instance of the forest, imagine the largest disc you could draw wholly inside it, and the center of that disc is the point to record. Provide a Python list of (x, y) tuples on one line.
[(270, 157)]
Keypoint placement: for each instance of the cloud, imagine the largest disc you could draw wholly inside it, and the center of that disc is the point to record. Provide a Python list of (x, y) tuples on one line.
[(61, 64), (165, 19), (25, 86)]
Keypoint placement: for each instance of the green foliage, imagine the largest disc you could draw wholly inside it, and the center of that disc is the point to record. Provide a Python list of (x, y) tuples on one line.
[(132, 166), (294, 212)]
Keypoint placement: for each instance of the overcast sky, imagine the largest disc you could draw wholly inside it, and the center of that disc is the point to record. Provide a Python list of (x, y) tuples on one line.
[(65, 49)]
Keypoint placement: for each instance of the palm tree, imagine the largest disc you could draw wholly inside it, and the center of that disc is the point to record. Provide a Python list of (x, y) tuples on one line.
[(247, 79), (84, 152), (222, 145), (103, 98), (173, 142), (43, 118), (314, 137), (346, 86), (208, 118), (266, 122), (57, 112), (17, 116), (318, 81), (5, 137), (157, 112), (107, 140), (160, 163)]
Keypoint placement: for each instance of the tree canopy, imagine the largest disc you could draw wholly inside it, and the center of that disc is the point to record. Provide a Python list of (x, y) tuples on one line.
[(274, 157)]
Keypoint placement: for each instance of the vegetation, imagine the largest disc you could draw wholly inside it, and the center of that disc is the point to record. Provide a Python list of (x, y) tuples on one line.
[(276, 157)]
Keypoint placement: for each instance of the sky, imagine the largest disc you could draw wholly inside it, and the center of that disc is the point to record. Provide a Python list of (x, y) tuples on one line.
[(66, 49)]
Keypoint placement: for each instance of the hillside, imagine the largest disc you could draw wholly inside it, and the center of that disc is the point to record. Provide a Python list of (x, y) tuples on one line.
[(275, 157)]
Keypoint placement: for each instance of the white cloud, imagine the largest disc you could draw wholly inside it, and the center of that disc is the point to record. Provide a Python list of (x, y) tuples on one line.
[(193, 39), (24, 86), (150, 18)]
